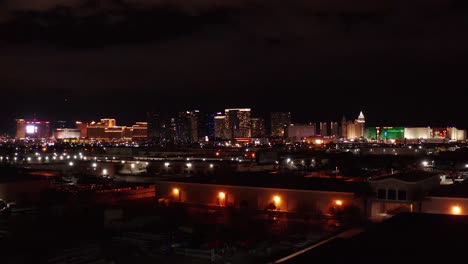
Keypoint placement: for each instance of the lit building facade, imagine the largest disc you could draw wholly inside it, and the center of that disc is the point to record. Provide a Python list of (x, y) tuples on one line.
[(334, 129), (32, 129), (279, 122), (360, 125), (418, 132), (258, 127), (66, 133), (83, 127), (323, 129), (237, 122), (219, 126)]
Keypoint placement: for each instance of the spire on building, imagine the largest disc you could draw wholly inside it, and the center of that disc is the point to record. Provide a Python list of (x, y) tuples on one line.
[(361, 115)]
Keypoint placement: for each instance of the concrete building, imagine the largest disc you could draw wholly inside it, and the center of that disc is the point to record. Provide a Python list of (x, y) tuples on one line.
[(255, 198), (400, 192), (279, 123)]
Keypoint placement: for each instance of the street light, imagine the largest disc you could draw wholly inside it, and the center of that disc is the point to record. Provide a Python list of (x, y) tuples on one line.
[(456, 210), (276, 199)]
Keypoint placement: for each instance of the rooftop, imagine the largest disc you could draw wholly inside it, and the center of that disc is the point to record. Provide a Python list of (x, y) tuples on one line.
[(277, 180), (408, 176)]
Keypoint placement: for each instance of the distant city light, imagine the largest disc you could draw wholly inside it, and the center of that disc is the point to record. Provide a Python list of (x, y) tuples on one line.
[(175, 191), (189, 165), (166, 164), (94, 165), (70, 163), (132, 166), (211, 165), (339, 202), (104, 171), (425, 163)]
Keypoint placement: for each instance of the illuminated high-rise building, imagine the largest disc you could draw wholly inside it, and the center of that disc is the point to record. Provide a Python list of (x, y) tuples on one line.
[(83, 127), (109, 122), (344, 128), (360, 125), (139, 131), (97, 130), (154, 126), (237, 122), (323, 129), (258, 127), (219, 126), (32, 129), (20, 128), (334, 129), (186, 128), (279, 122)]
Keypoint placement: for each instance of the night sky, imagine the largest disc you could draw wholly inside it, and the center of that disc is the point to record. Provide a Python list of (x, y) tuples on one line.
[(402, 62)]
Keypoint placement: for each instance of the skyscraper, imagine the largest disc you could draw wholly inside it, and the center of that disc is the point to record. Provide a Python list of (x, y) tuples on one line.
[(154, 126), (344, 127), (334, 129), (219, 126), (323, 129), (237, 122), (258, 127), (360, 125), (186, 128), (279, 122), (20, 128)]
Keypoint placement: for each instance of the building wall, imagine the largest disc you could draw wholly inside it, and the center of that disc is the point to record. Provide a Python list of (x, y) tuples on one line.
[(298, 132), (219, 123), (257, 198), (20, 128)]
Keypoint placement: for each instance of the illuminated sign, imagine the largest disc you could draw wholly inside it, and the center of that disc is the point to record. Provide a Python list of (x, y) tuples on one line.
[(30, 129)]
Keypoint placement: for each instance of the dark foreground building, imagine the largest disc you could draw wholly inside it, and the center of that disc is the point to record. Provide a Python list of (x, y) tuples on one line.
[(405, 238)]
